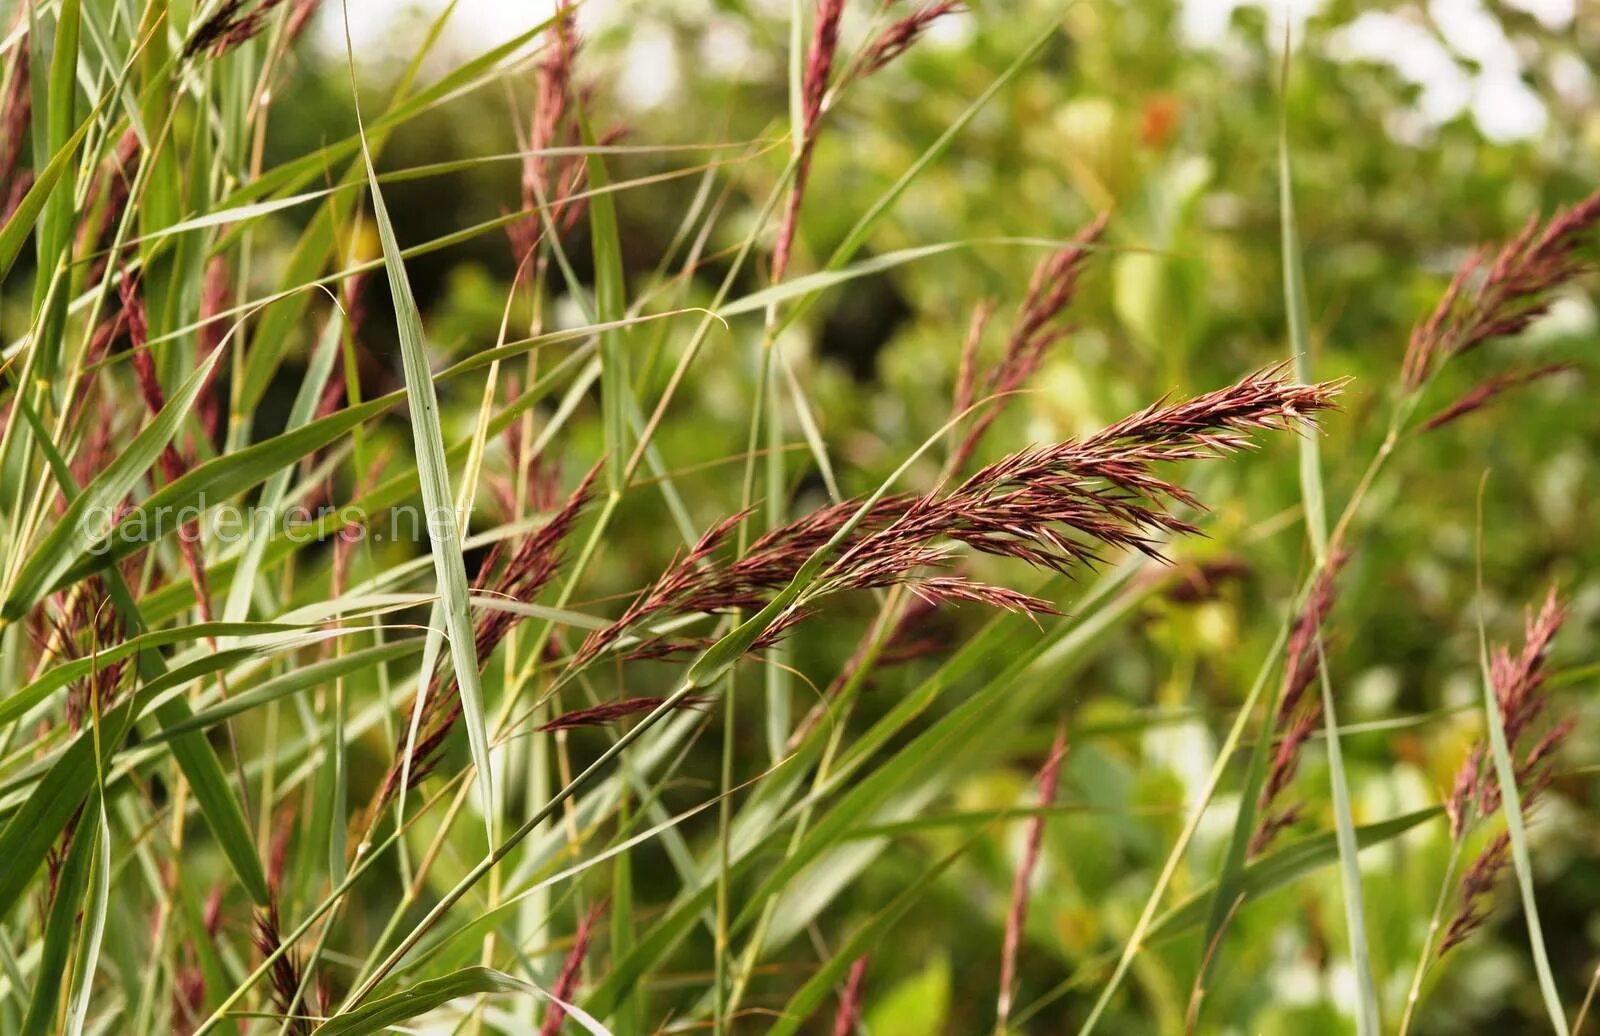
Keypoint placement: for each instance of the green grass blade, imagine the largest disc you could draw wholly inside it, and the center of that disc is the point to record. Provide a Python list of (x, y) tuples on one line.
[(383, 1014), (811, 995), (93, 920), (81, 526), (1505, 771), (434, 475), (301, 411), (610, 298), (857, 235), (296, 680), (1233, 863), (1283, 866), (15, 233), (38, 690), (56, 800), (1296, 310), (60, 927), (55, 230), (1367, 1021), (1141, 929)]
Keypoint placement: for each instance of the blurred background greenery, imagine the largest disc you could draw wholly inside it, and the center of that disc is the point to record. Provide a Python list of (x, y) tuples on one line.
[(1416, 131)]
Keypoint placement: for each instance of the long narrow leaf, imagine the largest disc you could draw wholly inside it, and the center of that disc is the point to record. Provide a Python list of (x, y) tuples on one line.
[(432, 470)]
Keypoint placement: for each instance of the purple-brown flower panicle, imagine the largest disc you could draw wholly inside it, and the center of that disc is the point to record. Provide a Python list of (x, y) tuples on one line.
[(1050, 291), (901, 34), (1490, 389), (1518, 683), (814, 88), (1053, 507), (566, 983), (1298, 713), (526, 572), (1480, 304)]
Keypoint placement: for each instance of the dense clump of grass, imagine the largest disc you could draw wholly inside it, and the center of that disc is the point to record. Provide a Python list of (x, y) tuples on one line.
[(358, 717)]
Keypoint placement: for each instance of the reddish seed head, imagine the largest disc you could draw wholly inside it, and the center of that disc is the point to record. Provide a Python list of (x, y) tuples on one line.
[(284, 973), (299, 18), (1518, 684), (552, 183), (814, 89), (1504, 300), (898, 37), (1299, 713), (214, 292), (1050, 290), (232, 26), (849, 1013), (1477, 885), (611, 712), (16, 109), (1022, 880), (527, 570), (1203, 581), (567, 981), (1053, 507), (1486, 391)]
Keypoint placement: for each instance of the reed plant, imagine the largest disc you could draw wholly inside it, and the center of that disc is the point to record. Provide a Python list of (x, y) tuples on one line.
[(600, 667)]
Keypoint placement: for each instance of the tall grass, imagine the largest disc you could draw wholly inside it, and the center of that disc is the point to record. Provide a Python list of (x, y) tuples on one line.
[(364, 719)]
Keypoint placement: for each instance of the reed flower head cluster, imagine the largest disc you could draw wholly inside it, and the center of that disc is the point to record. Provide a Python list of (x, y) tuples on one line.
[(284, 974), (233, 26), (613, 711), (1053, 507), (1050, 291), (82, 626), (16, 109), (899, 36), (1022, 879), (566, 983), (1490, 389), (1504, 297), (813, 91), (848, 1014), (525, 572), (532, 482), (1299, 712), (173, 465), (821, 55), (108, 197), (214, 293), (553, 184), (1518, 682)]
